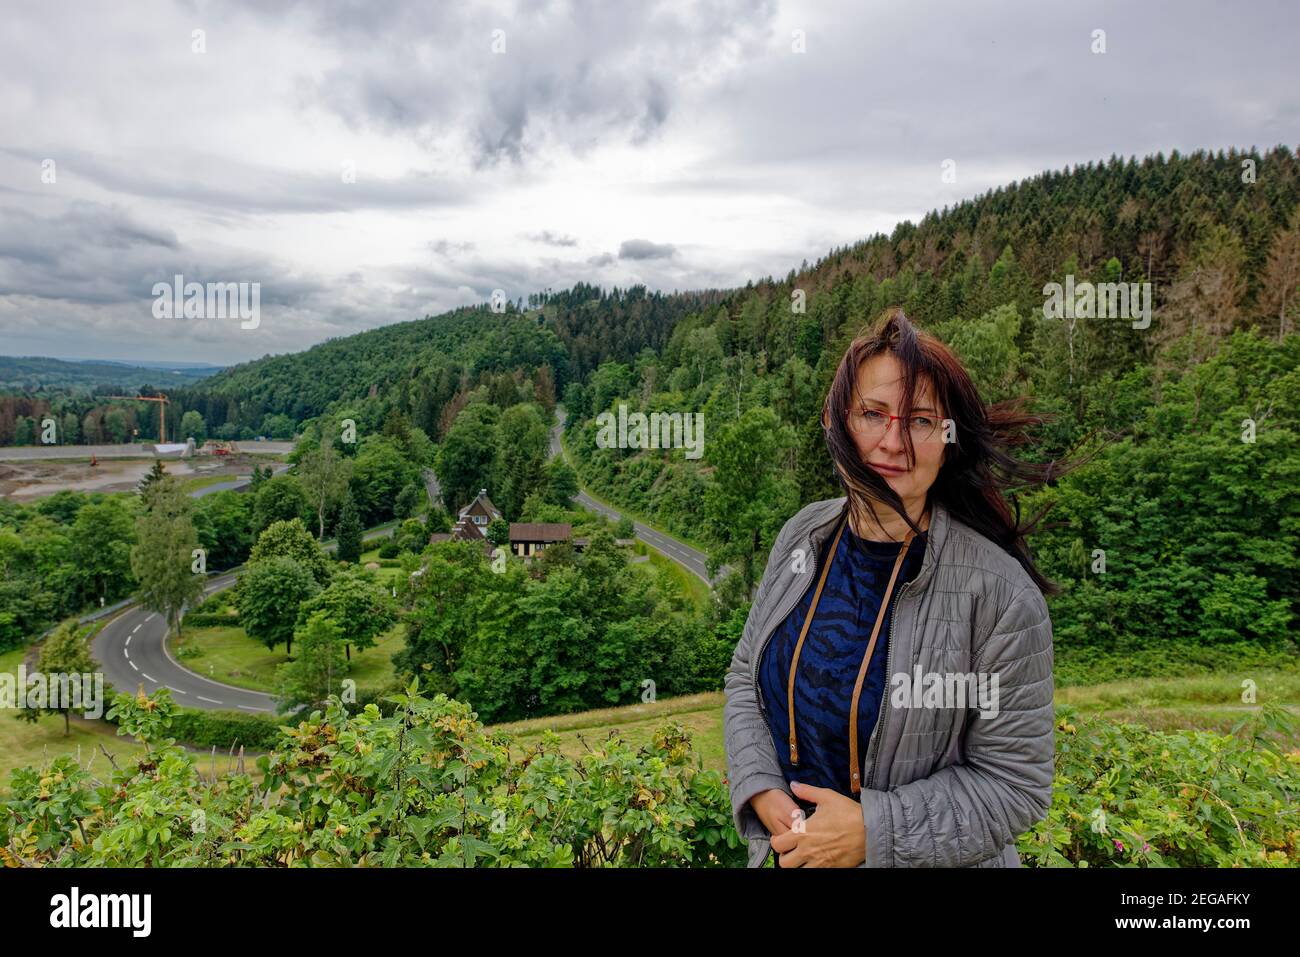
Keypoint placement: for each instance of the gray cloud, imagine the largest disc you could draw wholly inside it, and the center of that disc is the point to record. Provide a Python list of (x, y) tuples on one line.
[(644, 249), (697, 122), (548, 238), (517, 82), (236, 187)]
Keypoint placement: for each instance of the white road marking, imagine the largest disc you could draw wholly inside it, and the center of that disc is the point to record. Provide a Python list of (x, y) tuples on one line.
[(135, 629), (127, 645), (126, 654), (149, 676), (208, 700), (247, 708), (132, 664), (178, 690)]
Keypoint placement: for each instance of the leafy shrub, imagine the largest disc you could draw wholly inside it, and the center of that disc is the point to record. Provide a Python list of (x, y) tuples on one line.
[(224, 729), (203, 620), (1126, 796), (425, 787), (390, 549)]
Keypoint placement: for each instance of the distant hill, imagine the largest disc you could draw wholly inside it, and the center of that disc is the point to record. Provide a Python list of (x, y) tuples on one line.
[(38, 373)]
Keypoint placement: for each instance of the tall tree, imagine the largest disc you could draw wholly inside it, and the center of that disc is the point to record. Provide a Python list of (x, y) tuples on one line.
[(102, 535), (64, 653), (163, 556), (292, 540), (357, 604), (1280, 296), (279, 499), (524, 442), (155, 474), (750, 496), (466, 455), (317, 671), (268, 596), (324, 476), (348, 531)]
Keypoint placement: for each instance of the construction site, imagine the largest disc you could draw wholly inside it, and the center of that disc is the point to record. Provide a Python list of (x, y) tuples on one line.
[(33, 472)]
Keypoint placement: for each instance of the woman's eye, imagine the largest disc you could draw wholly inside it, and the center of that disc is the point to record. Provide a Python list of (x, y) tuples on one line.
[(923, 422), (872, 416)]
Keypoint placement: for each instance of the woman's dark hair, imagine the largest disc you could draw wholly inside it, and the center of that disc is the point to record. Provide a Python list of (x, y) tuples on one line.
[(977, 471)]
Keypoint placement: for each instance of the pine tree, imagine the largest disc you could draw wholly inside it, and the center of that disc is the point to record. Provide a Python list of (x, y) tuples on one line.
[(156, 474), (348, 531)]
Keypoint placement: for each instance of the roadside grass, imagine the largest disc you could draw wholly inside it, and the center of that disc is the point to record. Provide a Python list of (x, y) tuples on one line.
[(229, 655), (23, 744), (689, 583)]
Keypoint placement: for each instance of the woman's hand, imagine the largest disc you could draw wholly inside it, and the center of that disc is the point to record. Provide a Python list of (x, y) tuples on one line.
[(775, 809), (832, 837)]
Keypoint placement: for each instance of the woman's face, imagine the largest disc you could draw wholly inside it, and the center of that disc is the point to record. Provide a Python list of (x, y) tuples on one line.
[(879, 390)]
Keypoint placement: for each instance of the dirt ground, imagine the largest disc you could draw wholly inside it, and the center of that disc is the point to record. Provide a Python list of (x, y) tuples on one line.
[(25, 481)]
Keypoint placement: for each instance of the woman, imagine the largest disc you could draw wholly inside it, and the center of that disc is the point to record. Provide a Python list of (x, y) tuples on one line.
[(912, 604)]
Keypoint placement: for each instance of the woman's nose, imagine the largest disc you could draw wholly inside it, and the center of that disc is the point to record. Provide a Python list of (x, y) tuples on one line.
[(893, 437)]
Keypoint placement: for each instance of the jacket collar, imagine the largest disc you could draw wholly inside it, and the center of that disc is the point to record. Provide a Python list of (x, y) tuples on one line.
[(936, 534)]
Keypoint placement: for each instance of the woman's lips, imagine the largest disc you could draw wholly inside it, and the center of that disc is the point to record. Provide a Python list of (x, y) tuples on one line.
[(886, 469)]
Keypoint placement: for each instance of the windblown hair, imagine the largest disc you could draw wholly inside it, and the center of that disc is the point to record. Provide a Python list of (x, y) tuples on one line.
[(978, 473)]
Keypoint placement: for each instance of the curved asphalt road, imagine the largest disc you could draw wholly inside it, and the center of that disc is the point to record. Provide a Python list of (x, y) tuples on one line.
[(132, 651), (689, 558)]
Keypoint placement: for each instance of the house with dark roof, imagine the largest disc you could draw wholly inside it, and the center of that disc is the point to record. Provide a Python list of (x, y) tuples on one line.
[(526, 538)]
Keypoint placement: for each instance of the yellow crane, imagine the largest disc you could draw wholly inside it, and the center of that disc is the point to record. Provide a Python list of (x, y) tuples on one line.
[(162, 401)]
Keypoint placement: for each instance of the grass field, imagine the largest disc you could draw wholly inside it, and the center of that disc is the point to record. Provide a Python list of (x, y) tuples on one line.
[(702, 713), (23, 744), (230, 656), (386, 576), (1207, 703)]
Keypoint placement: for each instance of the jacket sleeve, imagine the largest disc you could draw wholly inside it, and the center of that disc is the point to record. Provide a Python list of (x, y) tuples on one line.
[(752, 765), (967, 812)]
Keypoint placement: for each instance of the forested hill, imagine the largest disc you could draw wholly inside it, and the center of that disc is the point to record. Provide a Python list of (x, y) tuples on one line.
[(38, 373), (421, 365)]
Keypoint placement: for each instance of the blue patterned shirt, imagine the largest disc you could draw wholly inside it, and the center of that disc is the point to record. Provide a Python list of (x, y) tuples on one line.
[(828, 664)]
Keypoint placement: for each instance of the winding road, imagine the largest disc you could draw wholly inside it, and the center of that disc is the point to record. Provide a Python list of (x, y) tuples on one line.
[(132, 648), (691, 559)]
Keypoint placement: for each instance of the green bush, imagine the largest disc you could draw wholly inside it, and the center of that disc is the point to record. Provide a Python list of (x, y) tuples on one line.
[(224, 729), (390, 549), (425, 787), (204, 620), (1127, 796)]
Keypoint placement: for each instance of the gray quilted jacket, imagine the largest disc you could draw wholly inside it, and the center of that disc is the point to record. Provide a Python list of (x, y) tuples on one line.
[(943, 786)]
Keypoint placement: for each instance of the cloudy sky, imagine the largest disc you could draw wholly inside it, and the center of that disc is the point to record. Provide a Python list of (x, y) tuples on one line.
[(370, 163)]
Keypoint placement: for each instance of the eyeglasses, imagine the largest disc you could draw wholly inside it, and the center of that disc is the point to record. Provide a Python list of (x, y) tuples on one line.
[(873, 423)]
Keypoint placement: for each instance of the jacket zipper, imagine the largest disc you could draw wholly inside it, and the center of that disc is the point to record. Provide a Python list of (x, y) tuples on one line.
[(883, 714)]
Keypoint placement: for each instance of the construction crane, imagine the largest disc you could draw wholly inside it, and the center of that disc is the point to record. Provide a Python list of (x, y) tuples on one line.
[(162, 401)]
